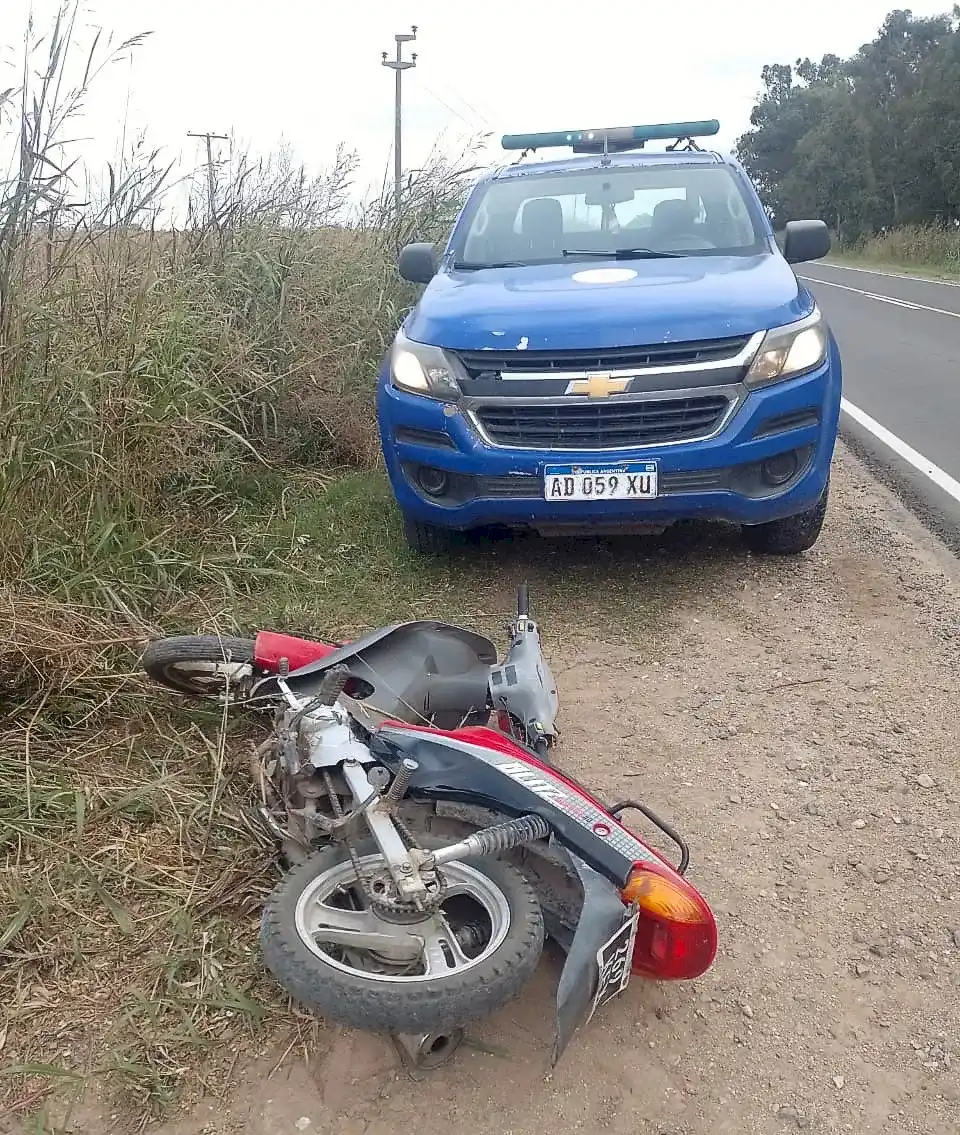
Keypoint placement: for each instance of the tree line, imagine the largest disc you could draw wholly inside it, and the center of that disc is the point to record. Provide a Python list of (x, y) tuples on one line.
[(866, 143)]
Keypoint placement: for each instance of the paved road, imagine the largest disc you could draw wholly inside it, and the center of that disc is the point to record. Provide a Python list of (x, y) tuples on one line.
[(900, 342)]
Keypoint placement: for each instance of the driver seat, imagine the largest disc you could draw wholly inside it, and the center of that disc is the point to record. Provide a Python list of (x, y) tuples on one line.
[(671, 219), (541, 223)]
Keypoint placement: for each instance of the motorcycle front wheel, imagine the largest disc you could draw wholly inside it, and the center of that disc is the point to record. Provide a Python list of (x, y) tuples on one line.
[(332, 952), (203, 666)]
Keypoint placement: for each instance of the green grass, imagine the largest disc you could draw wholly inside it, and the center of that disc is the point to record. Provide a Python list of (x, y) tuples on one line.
[(349, 569), (927, 250)]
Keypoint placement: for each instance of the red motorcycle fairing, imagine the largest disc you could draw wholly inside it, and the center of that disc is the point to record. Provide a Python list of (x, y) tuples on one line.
[(270, 648), (477, 765)]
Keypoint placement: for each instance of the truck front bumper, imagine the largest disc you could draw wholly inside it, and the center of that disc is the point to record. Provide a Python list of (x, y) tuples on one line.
[(443, 472)]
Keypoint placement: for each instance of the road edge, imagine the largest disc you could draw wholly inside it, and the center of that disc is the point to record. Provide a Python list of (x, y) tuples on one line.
[(933, 527), (894, 271)]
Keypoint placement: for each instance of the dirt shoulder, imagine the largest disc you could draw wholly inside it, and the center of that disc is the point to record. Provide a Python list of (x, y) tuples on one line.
[(800, 722)]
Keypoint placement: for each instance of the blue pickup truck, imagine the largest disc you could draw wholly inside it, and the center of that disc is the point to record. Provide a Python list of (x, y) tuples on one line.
[(609, 343)]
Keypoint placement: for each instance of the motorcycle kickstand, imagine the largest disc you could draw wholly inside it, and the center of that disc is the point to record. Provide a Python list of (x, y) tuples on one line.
[(426, 1051)]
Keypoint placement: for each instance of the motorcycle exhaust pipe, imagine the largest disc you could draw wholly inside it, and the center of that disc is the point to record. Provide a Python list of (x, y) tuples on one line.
[(428, 1050)]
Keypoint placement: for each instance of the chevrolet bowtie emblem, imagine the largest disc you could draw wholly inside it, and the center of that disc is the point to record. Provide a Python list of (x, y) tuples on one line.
[(598, 386)]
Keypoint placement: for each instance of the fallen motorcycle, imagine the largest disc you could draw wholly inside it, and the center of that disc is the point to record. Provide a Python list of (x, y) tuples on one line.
[(431, 673), (429, 855)]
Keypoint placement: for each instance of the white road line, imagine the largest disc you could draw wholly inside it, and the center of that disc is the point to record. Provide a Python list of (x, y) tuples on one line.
[(882, 299), (892, 275), (939, 476)]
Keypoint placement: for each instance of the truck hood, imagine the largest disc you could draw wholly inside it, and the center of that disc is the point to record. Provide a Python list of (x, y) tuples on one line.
[(607, 303)]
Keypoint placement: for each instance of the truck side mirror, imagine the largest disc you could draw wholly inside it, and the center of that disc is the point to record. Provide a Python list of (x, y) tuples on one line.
[(805, 240), (418, 263)]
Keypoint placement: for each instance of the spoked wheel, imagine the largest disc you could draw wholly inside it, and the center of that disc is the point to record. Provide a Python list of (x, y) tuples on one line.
[(210, 667), (382, 968)]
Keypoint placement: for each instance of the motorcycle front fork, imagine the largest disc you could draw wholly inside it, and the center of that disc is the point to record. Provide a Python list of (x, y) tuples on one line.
[(396, 854)]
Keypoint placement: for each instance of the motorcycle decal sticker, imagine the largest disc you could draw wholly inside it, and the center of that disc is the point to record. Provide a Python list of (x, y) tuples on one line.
[(577, 807), (549, 786)]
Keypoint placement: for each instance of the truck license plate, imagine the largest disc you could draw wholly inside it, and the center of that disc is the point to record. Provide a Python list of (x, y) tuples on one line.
[(633, 480)]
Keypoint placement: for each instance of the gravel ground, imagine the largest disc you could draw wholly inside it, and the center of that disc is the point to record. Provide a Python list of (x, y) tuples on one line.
[(800, 724)]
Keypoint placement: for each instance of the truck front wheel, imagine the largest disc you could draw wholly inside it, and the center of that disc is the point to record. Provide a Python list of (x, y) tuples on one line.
[(791, 535), (427, 539)]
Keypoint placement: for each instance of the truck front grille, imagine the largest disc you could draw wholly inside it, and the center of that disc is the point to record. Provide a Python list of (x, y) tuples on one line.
[(485, 364), (602, 425)]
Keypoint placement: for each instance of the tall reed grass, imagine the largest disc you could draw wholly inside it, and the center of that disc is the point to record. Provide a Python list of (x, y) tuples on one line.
[(160, 390), (921, 246)]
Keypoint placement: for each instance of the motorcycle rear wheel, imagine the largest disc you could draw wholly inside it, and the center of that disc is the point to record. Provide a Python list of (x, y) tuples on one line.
[(489, 899), (202, 666)]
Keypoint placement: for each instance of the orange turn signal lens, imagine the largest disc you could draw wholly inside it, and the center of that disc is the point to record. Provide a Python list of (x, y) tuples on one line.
[(662, 897)]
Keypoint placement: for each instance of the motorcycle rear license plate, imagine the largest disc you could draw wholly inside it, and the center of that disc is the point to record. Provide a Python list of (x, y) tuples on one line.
[(630, 480), (614, 959)]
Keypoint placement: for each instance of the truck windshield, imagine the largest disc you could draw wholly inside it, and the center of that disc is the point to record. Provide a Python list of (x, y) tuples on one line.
[(638, 211)]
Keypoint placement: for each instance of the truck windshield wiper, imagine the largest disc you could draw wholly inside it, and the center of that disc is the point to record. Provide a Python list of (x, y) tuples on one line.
[(468, 266), (622, 253)]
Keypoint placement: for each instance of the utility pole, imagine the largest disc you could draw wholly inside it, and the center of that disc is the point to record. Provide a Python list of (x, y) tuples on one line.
[(398, 66), (211, 179)]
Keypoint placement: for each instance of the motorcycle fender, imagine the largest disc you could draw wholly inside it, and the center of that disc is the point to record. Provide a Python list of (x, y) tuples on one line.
[(602, 914)]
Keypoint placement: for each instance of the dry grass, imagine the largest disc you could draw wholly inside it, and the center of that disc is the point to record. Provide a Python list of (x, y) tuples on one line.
[(128, 868), (932, 247), (177, 410)]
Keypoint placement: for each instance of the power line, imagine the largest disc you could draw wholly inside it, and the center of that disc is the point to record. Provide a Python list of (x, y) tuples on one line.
[(456, 113), (473, 110)]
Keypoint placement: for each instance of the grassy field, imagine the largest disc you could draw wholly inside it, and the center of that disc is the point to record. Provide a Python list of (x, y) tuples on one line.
[(925, 249), (188, 441)]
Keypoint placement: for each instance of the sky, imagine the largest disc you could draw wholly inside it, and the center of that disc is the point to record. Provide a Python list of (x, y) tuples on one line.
[(309, 74)]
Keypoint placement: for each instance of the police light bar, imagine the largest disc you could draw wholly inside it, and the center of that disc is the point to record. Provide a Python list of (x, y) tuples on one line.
[(611, 139)]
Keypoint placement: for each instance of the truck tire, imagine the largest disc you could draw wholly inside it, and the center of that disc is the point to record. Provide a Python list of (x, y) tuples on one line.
[(791, 535), (427, 539), (382, 1002)]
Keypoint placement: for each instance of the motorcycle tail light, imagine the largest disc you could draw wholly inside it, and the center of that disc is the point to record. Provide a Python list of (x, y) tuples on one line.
[(676, 932)]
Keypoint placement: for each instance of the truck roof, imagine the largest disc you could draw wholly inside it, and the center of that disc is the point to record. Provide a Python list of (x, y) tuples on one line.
[(632, 159)]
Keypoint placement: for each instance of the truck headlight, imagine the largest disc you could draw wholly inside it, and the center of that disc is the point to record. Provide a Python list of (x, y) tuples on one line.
[(422, 369), (788, 351)]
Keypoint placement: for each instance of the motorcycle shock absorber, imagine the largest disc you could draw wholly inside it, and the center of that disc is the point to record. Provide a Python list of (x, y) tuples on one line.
[(401, 782), (493, 840)]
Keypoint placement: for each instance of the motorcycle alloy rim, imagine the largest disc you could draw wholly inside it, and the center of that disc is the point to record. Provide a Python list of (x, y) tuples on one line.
[(348, 939)]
